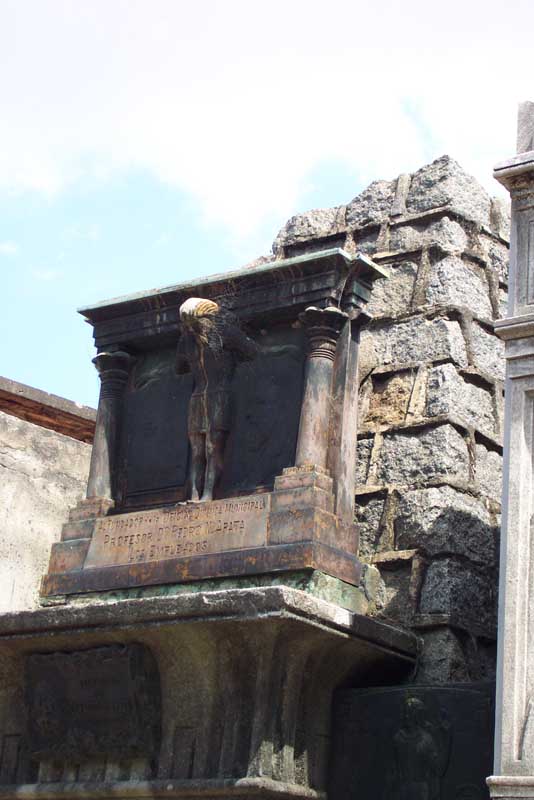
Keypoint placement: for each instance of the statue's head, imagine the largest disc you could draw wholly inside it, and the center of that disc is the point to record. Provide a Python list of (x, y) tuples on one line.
[(199, 317), (414, 711)]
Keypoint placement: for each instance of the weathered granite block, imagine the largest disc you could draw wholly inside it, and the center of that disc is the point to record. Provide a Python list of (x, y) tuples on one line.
[(443, 183), (444, 520), (453, 282), (423, 455), (393, 295), (498, 256), (503, 303), (397, 604), (501, 217), (372, 206), (453, 587), (406, 238), (488, 351), (363, 458), (448, 235), (390, 398), (367, 241), (488, 471), (369, 511), (413, 340), (449, 393), (442, 659), (314, 224)]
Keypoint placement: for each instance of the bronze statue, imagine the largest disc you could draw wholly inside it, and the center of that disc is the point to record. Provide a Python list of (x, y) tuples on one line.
[(211, 346)]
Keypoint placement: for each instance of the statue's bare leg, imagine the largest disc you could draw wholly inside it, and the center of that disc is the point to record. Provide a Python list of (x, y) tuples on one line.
[(198, 464), (215, 444)]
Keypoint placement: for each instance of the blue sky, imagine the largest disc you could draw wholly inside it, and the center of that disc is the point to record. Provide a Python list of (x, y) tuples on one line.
[(146, 142), (98, 240)]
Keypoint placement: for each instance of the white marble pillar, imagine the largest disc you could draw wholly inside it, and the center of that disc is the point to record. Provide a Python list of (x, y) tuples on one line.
[(514, 737)]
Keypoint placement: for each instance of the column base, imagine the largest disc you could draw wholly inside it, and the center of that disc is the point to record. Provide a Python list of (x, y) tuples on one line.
[(511, 786)]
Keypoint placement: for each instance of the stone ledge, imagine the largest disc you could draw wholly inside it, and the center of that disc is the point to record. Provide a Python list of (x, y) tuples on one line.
[(244, 787), (421, 423), (469, 487), (517, 165), (389, 557), (511, 786), (314, 582), (430, 311), (47, 410), (422, 621), (471, 373), (234, 605), (515, 327)]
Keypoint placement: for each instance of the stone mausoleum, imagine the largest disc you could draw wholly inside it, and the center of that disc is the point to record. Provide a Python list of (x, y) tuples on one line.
[(281, 577)]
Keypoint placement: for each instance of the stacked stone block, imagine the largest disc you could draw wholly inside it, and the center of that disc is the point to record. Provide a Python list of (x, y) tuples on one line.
[(430, 427)]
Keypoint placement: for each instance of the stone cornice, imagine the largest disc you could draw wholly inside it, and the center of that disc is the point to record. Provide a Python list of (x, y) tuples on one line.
[(515, 327), (514, 167), (167, 296)]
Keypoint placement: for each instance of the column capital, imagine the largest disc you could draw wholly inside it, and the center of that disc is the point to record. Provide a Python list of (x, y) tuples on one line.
[(517, 173), (323, 327), (116, 361)]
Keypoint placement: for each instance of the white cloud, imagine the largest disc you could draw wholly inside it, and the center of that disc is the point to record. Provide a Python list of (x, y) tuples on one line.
[(88, 232), (8, 248), (236, 102), (45, 275), (163, 240)]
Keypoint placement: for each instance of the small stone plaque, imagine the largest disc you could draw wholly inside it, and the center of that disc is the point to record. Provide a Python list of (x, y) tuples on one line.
[(93, 703), (191, 529)]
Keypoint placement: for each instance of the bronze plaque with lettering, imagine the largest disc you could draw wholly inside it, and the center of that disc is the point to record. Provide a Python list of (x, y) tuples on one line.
[(91, 703), (186, 530)]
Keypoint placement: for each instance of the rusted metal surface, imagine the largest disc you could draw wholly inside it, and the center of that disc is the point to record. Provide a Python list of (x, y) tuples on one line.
[(301, 555)]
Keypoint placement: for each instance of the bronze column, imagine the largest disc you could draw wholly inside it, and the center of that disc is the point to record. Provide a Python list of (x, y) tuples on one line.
[(113, 369), (323, 328)]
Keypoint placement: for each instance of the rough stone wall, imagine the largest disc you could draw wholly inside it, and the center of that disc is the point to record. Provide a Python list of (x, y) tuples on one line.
[(430, 427), (42, 475)]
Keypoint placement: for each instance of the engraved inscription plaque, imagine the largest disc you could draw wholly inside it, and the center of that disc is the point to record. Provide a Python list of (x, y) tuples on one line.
[(191, 529), (412, 743), (91, 703)]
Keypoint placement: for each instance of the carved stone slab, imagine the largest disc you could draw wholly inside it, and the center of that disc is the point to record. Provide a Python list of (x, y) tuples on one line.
[(91, 703), (412, 743), (186, 530)]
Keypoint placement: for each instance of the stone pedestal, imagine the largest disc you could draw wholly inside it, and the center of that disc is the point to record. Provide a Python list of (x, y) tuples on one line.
[(246, 680), (514, 744)]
